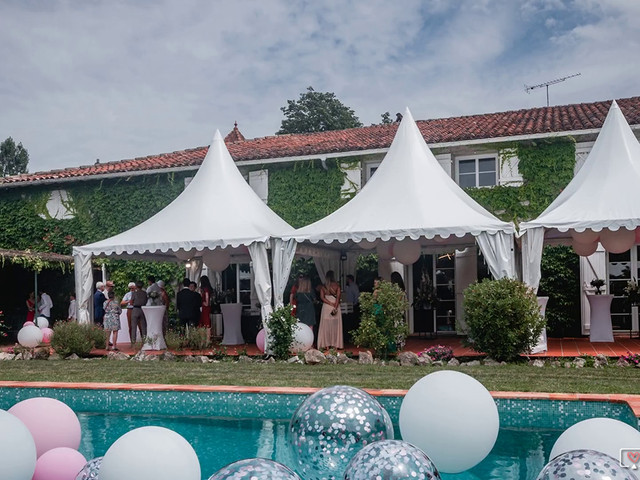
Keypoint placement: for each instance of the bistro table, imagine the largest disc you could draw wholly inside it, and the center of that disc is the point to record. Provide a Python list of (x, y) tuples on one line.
[(155, 338), (601, 329), (231, 317), (541, 346)]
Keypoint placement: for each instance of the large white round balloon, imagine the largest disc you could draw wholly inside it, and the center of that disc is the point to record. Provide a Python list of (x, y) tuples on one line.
[(30, 336), (588, 236), (185, 255), (604, 435), (446, 413), (407, 251), (384, 250), (150, 453), (584, 249), (216, 260), (619, 241), (302, 338), (17, 449), (42, 322), (367, 245)]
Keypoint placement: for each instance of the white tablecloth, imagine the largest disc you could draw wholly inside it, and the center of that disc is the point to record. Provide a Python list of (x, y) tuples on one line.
[(123, 334), (601, 329), (231, 317), (155, 339), (542, 339)]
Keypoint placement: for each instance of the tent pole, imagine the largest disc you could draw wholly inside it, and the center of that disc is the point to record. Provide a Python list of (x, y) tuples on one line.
[(35, 281)]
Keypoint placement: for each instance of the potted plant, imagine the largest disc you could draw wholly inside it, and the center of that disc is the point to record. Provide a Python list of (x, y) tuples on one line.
[(633, 292), (597, 283), (425, 300)]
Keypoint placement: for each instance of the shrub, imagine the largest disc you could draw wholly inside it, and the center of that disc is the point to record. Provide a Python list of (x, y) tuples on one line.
[(632, 358), (196, 338), (382, 326), (281, 325), (71, 337), (174, 340), (503, 318), (438, 352)]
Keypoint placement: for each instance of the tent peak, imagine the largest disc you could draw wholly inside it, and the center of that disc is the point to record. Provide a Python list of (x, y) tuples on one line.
[(217, 136)]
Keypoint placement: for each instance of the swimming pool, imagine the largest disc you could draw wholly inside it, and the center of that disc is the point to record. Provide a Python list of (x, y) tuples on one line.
[(228, 426)]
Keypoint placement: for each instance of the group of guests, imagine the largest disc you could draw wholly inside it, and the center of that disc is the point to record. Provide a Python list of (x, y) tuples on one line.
[(194, 308), (45, 304), (303, 299)]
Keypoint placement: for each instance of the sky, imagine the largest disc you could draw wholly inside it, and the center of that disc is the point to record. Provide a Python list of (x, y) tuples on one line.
[(82, 80)]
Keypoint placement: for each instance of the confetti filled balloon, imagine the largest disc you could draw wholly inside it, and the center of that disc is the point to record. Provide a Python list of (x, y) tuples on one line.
[(91, 470), (255, 468), (391, 460), (579, 464), (331, 426)]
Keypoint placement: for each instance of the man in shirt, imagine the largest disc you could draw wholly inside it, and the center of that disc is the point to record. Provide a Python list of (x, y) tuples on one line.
[(188, 303), (138, 320), (45, 305), (73, 310), (98, 304), (351, 291)]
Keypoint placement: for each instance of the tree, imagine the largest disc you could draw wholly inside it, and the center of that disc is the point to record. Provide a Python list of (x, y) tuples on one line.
[(386, 118), (13, 159), (317, 112)]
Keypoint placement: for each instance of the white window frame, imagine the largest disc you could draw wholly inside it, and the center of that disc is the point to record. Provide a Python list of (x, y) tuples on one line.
[(477, 157), (369, 166)]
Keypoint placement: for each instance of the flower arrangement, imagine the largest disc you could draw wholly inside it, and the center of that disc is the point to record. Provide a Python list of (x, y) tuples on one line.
[(3, 327), (438, 352), (633, 292), (597, 283), (632, 358), (426, 295)]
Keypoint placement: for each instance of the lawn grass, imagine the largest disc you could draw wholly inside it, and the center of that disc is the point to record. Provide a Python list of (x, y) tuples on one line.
[(516, 377)]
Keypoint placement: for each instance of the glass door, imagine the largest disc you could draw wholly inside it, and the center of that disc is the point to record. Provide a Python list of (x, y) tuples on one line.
[(445, 271), (620, 266)]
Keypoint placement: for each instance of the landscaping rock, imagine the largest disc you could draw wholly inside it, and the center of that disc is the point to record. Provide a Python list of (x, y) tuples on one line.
[(270, 360), (472, 363), (117, 356), (567, 364), (73, 356), (294, 359), (490, 362), (7, 356), (314, 357), (245, 359), (365, 358), (454, 362), (555, 364), (579, 362), (202, 359), (622, 363), (440, 363), (188, 358), (600, 361), (538, 363), (408, 359), (394, 363), (424, 360), (342, 359), (168, 356), (333, 359), (41, 354), (152, 358)]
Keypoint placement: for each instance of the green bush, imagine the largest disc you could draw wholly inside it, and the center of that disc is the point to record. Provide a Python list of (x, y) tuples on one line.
[(174, 340), (281, 326), (71, 337), (196, 338), (382, 324), (503, 318)]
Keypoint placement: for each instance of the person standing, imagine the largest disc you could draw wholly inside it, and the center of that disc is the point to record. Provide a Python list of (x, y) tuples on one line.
[(153, 292), (45, 306), (112, 311), (205, 292), (165, 301), (31, 307), (351, 291), (127, 302), (98, 304), (188, 304), (330, 330), (305, 298), (108, 287), (73, 309), (352, 296), (138, 320)]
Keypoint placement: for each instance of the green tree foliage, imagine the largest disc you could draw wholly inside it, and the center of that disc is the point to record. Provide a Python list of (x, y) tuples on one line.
[(386, 118), (317, 112), (14, 159)]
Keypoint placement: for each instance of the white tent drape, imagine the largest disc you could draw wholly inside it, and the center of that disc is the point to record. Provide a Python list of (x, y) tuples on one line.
[(497, 249), (532, 244), (282, 254), (324, 264), (195, 269), (84, 286), (262, 281)]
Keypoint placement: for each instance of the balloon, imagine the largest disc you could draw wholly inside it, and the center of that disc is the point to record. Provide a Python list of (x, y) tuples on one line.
[(47, 333), (59, 464), (255, 468), (260, 340), (384, 250), (391, 460), (52, 423), (588, 236), (302, 338), (150, 453), (30, 336), (619, 241), (464, 418), (216, 260), (367, 245), (585, 249), (579, 464), (42, 322), (185, 255), (407, 251), (27, 324), (331, 426), (91, 470), (17, 448), (604, 435)]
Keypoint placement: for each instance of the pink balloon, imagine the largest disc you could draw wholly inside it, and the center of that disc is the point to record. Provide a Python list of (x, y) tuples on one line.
[(51, 423), (26, 324), (260, 340), (47, 333), (59, 464)]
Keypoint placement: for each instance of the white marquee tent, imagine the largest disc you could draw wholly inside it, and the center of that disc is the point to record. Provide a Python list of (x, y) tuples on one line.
[(601, 204), (216, 217), (408, 205)]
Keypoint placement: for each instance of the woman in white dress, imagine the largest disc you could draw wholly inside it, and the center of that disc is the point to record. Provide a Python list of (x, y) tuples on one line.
[(330, 330)]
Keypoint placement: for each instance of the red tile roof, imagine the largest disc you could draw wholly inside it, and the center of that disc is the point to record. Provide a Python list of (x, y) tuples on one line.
[(545, 120)]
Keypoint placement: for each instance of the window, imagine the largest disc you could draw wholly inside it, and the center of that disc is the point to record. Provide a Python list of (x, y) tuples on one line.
[(477, 171), (371, 169)]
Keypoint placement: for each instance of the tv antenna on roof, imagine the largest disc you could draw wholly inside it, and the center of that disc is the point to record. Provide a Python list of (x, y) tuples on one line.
[(528, 88)]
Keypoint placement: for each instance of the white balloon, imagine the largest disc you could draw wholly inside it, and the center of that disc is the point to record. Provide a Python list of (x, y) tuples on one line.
[(150, 453), (585, 249), (185, 255), (216, 260), (17, 449), (446, 413), (588, 236), (604, 435), (302, 338), (619, 241), (42, 322), (30, 336), (384, 250), (367, 245), (407, 251)]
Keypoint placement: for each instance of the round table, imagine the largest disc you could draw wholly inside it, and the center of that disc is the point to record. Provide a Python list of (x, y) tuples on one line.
[(155, 338), (232, 317)]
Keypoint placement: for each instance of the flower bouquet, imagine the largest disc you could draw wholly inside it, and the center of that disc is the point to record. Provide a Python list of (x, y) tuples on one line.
[(633, 292), (597, 283)]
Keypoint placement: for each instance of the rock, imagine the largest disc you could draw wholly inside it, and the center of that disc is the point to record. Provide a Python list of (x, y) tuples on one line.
[(270, 360), (351, 360), (424, 360), (394, 363), (168, 356), (314, 357), (440, 363), (407, 359), (600, 361), (579, 362), (7, 356), (73, 356), (538, 363), (472, 363), (24, 355), (555, 364), (454, 362), (202, 359), (365, 358), (188, 359), (490, 362), (245, 359), (152, 358), (117, 356), (622, 363), (294, 359), (342, 359), (333, 359), (567, 364)]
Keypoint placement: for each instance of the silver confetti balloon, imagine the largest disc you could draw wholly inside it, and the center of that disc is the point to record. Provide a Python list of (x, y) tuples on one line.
[(255, 469), (391, 460), (91, 470), (579, 464), (331, 426)]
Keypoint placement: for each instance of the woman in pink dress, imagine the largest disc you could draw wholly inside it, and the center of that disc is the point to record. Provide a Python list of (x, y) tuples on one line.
[(330, 330), (31, 307)]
